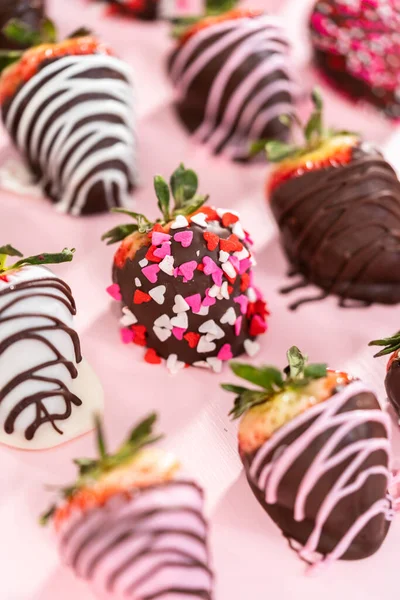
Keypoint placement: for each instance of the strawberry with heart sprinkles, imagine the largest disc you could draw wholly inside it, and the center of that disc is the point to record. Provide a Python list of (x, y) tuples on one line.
[(186, 280)]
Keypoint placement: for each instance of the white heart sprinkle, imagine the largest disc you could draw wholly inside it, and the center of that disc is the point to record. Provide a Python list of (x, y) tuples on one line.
[(199, 219), (138, 283), (198, 253), (242, 254), (167, 265), (223, 256), (174, 365), (202, 364), (210, 327), (205, 346), (229, 317), (214, 291), (238, 230), (158, 294), (129, 318), (215, 364), (204, 310), (181, 321), (144, 262), (180, 304), (222, 211), (224, 290), (163, 321), (251, 294), (229, 269), (251, 348), (253, 261), (179, 222), (161, 333)]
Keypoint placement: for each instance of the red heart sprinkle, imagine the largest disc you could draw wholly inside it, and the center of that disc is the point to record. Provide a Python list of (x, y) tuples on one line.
[(141, 297), (230, 289), (229, 219), (192, 338), (212, 240), (244, 285), (200, 267), (232, 244), (151, 256), (257, 326), (152, 357)]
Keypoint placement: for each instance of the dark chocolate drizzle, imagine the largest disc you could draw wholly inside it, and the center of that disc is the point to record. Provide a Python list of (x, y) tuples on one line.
[(58, 388), (340, 229)]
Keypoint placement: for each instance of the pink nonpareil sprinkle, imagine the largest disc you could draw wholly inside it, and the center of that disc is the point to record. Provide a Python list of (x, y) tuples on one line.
[(163, 251), (243, 302), (238, 326), (217, 277), (225, 353), (187, 270), (210, 266), (235, 262), (151, 272), (245, 264), (127, 335), (194, 302), (158, 238), (178, 332), (184, 237), (114, 291)]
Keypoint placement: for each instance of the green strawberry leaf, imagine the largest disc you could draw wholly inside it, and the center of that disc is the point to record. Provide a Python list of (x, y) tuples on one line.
[(236, 389), (46, 259), (188, 209), (184, 184), (268, 378), (21, 33), (391, 344), (163, 195), (100, 438), (119, 233), (9, 250), (278, 151), (315, 371), (8, 57), (245, 401), (48, 32), (81, 32), (296, 362)]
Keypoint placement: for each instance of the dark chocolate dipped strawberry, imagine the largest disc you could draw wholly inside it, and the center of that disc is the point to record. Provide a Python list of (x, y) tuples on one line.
[(132, 526), (30, 13), (392, 382), (315, 447), (186, 280), (68, 108), (232, 77), (357, 47), (337, 204)]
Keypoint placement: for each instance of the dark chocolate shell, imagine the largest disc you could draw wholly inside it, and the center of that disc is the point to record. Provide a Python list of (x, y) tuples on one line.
[(392, 383), (323, 477)]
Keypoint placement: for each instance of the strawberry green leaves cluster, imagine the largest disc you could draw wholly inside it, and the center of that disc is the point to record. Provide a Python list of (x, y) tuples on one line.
[(183, 186), (40, 259), (271, 381), (390, 345)]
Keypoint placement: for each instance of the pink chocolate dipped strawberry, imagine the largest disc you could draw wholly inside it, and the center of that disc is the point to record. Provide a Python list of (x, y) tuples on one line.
[(186, 280), (132, 526)]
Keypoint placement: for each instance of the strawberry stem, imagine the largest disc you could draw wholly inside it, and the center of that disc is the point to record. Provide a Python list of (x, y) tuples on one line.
[(391, 344), (41, 259)]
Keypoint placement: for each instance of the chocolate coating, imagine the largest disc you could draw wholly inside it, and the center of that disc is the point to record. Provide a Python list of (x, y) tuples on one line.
[(233, 83), (340, 228), (352, 505), (148, 313), (392, 383), (30, 12)]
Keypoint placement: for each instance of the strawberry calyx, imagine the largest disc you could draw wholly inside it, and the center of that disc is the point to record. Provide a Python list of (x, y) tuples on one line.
[(271, 381), (391, 345), (40, 259), (321, 148), (84, 493), (187, 28)]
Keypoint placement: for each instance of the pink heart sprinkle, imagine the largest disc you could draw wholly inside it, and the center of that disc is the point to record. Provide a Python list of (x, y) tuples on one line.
[(150, 273), (114, 291), (209, 265), (163, 251), (184, 237), (127, 336), (194, 302), (208, 300), (243, 302), (225, 353), (217, 277), (158, 238), (187, 269), (238, 325), (245, 264), (235, 262), (176, 272), (178, 332)]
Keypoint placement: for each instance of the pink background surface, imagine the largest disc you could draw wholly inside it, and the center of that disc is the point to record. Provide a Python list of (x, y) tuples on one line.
[(251, 559)]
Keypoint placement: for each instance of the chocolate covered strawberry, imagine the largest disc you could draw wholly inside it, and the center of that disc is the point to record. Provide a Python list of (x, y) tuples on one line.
[(186, 280), (48, 392), (392, 381), (337, 204), (315, 446), (68, 108), (132, 526)]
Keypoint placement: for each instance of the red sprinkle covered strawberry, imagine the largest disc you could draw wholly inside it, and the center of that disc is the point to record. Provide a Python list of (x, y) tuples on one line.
[(131, 526), (392, 381), (186, 280)]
